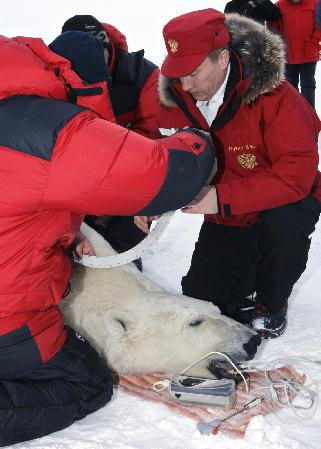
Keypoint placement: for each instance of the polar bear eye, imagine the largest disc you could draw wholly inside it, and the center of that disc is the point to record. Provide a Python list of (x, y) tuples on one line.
[(196, 322), (122, 323)]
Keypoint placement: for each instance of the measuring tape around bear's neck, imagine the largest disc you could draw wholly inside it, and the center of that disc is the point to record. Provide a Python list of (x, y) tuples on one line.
[(116, 260)]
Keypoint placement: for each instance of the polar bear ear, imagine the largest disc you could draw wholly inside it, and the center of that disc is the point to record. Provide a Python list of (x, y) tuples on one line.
[(119, 321)]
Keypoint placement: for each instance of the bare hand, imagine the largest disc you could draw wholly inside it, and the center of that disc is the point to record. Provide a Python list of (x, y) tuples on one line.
[(143, 222), (205, 202), (83, 246)]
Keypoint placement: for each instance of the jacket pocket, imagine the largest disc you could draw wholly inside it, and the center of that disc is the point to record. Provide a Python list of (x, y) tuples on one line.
[(311, 51)]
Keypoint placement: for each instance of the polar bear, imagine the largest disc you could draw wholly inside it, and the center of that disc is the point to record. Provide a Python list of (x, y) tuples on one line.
[(140, 328)]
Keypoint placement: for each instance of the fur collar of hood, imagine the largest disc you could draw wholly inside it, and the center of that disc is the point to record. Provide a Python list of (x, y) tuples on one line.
[(261, 53)]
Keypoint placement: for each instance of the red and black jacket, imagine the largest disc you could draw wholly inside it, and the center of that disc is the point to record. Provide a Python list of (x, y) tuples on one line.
[(58, 162)]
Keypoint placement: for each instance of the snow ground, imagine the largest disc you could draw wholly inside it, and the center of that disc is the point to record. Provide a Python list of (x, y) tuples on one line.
[(128, 422)]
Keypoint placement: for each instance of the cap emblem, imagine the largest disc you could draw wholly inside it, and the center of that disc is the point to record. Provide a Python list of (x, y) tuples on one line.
[(173, 45)]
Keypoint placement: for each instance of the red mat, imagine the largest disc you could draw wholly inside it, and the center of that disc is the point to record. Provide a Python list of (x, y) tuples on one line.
[(142, 387)]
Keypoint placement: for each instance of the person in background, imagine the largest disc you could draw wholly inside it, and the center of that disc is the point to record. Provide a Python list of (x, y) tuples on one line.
[(302, 37), (61, 158), (133, 92), (224, 75), (259, 10)]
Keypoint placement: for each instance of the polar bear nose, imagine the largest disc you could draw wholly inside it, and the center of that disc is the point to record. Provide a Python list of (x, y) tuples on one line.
[(252, 345)]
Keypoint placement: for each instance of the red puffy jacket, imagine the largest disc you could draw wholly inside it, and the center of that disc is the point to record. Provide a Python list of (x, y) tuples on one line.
[(59, 161), (298, 27)]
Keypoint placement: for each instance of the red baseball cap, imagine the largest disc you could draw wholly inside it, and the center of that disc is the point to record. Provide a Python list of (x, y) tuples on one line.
[(189, 38)]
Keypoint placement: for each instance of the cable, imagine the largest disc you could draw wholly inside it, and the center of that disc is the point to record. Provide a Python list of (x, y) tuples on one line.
[(163, 384), (292, 390)]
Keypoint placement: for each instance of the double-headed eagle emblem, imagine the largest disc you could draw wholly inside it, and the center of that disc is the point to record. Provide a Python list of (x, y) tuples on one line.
[(173, 45)]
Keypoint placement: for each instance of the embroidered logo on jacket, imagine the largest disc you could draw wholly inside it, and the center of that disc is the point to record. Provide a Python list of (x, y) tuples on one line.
[(247, 160), (173, 45), (237, 148)]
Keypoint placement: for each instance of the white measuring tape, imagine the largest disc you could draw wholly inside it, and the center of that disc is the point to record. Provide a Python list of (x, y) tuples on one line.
[(116, 260)]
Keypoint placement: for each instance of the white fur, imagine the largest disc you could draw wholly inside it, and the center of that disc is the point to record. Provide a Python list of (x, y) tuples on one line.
[(139, 327)]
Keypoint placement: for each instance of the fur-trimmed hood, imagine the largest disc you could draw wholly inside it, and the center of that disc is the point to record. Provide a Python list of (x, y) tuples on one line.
[(262, 56)]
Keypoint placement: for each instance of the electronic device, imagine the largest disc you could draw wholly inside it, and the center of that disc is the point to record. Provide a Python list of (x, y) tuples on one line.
[(222, 369), (215, 392)]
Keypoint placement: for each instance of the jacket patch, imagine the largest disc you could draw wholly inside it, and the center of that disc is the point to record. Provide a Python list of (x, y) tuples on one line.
[(247, 160), (19, 353)]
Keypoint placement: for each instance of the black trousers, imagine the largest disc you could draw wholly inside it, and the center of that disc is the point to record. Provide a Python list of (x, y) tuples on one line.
[(306, 74), (230, 263), (34, 403)]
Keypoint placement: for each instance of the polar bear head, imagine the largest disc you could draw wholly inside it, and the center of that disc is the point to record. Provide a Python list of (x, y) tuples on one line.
[(141, 328)]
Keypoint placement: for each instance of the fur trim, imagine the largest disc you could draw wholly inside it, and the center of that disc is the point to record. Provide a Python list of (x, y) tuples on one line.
[(261, 52), (262, 56), (164, 97)]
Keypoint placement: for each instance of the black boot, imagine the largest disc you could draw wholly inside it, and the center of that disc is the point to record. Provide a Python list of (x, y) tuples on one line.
[(267, 324), (241, 310)]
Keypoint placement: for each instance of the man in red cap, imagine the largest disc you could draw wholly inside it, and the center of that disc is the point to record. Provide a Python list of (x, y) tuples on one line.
[(224, 75)]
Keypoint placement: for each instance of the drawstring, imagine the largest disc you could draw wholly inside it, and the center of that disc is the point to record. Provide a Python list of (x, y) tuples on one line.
[(73, 93), (70, 94)]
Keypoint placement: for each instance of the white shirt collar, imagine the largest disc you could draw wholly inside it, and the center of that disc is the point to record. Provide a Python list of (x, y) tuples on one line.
[(209, 108)]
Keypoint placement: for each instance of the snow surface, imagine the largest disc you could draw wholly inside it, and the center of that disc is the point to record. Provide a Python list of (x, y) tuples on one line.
[(128, 422)]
